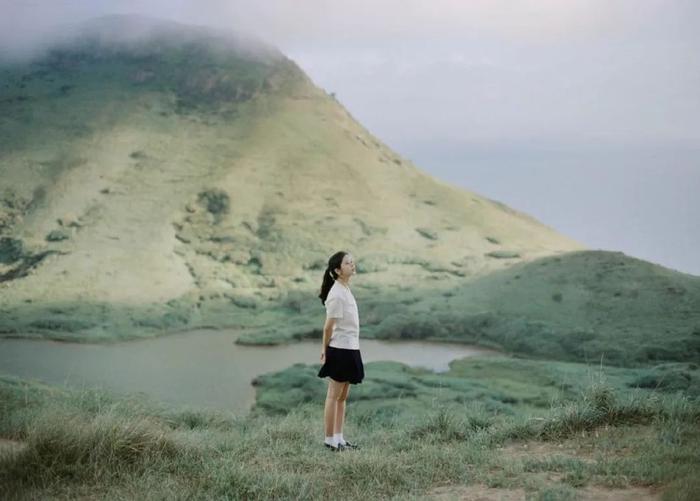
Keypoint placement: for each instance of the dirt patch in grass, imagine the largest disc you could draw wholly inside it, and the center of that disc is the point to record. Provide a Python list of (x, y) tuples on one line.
[(587, 446), (477, 493), (538, 450), (562, 469), (593, 493), (609, 494), (8, 447)]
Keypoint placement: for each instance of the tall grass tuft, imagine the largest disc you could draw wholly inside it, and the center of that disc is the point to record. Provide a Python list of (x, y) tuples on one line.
[(62, 446)]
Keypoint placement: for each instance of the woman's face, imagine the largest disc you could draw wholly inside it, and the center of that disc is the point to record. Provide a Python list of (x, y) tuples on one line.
[(347, 267)]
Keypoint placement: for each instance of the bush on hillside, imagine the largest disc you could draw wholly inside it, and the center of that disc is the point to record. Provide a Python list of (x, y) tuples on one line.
[(427, 233), (669, 378), (503, 254), (11, 250), (215, 201), (57, 235)]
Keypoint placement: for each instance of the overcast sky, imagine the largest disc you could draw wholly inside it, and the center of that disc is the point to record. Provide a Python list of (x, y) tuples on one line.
[(585, 114)]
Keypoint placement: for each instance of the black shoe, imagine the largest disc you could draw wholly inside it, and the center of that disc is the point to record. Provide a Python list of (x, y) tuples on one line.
[(334, 449), (350, 445)]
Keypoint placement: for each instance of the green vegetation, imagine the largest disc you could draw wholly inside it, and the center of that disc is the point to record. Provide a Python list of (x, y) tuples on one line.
[(581, 306), (500, 385), (584, 306), (503, 254), (11, 250), (57, 235), (427, 233), (590, 435), (215, 201)]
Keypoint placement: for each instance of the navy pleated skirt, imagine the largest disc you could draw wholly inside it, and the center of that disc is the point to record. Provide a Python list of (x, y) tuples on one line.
[(344, 366)]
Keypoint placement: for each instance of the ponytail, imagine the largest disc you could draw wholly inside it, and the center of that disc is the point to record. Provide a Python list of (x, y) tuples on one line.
[(329, 276)]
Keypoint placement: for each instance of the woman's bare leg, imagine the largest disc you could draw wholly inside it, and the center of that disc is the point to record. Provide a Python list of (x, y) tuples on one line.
[(335, 389), (340, 408)]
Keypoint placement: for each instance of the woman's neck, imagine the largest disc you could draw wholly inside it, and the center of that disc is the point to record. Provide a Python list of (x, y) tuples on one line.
[(345, 282)]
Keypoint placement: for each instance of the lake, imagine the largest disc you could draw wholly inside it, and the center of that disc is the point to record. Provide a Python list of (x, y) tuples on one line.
[(202, 368)]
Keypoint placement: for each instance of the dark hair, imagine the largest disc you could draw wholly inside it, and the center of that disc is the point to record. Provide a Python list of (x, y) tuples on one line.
[(330, 275)]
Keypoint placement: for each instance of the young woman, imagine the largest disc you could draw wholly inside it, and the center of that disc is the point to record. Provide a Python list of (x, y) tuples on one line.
[(340, 349)]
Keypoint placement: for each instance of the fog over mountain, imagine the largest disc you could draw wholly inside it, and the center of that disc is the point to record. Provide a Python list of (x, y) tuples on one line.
[(597, 95)]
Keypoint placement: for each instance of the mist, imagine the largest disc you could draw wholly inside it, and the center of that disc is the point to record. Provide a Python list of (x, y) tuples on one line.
[(585, 114)]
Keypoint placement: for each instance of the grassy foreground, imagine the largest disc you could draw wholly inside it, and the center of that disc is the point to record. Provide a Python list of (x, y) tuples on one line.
[(597, 436)]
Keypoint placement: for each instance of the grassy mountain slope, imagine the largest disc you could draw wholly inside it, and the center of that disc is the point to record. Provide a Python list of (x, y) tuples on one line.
[(179, 171)]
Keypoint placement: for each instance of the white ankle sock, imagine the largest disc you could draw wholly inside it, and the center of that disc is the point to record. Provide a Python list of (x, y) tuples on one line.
[(332, 441), (338, 437)]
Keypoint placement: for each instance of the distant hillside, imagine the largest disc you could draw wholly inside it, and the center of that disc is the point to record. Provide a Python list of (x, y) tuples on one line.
[(158, 176), (593, 306)]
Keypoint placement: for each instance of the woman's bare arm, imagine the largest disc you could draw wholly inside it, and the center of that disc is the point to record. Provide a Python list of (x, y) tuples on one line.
[(327, 332)]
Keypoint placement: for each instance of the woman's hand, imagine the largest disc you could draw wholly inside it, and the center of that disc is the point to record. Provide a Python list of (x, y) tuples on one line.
[(323, 356)]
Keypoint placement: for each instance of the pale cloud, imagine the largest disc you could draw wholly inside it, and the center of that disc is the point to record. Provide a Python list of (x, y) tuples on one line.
[(291, 23), (294, 22)]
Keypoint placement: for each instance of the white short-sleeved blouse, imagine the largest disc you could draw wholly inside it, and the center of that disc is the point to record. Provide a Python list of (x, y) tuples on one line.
[(341, 305)]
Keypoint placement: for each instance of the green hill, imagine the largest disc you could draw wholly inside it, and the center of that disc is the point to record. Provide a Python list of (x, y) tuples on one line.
[(168, 178), (585, 306)]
